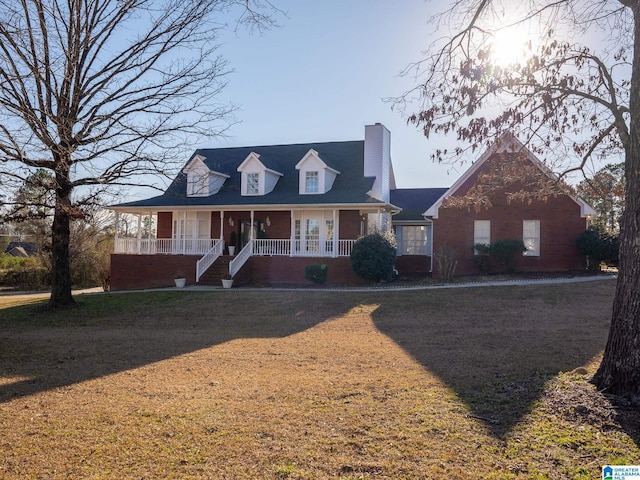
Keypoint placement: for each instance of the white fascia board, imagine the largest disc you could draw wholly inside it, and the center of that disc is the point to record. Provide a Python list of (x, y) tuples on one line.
[(312, 153), (586, 210), (494, 148), (257, 206), (268, 170), (503, 143), (256, 157), (252, 156), (220, 174), (423, 222), (309, 154), (196, 161)]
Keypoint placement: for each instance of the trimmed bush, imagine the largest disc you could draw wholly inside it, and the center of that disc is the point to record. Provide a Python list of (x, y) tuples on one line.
[(373, 256), (505, 252), (481, 252), (315, 272)]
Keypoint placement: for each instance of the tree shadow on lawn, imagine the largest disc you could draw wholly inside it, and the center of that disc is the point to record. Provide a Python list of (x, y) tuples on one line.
[(499, 349), (496, 351), (84, 344)]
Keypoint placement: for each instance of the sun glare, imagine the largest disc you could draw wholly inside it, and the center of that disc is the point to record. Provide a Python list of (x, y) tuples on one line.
[(510, 46)]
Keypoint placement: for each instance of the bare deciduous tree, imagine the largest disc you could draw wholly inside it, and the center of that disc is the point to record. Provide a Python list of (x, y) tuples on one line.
[(99, 92), (573, 96)]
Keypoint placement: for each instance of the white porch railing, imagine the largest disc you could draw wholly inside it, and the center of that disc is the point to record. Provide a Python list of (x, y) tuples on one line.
[(302, 248), (272, 247), (163, 246), (209, 258), (241, 258), (345, 247)]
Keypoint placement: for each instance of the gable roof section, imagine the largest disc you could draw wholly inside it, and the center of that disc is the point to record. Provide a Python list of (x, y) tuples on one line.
[(506, 143), (313, 154), (350, 187), (413, 202), (255, 157)]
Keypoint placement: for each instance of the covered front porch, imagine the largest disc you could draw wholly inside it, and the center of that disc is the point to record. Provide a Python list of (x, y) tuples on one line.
[(204, 235)]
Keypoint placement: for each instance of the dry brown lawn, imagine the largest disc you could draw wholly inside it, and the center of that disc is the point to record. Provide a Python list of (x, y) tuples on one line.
[(456, 383)]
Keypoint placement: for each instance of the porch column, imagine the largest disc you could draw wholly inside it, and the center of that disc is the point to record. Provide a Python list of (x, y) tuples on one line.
[(184, 232), (292, 234), (149, 232), (251, 229), (221, 224), (335, 235), (139, 234), (115, 236)]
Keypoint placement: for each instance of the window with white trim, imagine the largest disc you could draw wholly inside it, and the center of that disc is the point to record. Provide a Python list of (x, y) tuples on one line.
[(481, 233), (253, 183), (197, 185), (311, 182), (413, 240), (531, 237)]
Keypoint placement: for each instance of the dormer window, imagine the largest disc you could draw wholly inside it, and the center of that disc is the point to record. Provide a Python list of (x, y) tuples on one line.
[(316, 177), (202, 182), (311, 182), (253, 183), (257, 179), (197, 185)]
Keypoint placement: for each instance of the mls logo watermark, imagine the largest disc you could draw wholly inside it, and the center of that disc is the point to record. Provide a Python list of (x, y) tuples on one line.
[(621, 472)]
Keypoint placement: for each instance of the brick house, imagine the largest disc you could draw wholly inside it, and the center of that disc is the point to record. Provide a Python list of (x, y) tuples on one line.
[(509, 194), (282, 207)]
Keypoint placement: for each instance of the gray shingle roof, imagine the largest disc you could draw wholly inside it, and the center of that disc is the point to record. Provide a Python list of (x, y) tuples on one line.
[(350, 187), (414, 202)]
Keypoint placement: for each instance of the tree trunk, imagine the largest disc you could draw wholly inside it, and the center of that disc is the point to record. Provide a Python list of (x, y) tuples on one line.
[(60, 269), (619, 372)]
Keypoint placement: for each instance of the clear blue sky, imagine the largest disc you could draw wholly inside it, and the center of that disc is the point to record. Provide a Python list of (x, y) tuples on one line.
[(323, 74)]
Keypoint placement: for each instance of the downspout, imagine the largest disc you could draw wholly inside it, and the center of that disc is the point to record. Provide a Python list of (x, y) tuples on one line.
[(431, 245)]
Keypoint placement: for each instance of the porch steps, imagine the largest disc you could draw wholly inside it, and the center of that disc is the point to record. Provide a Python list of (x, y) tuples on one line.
[(218, 270)]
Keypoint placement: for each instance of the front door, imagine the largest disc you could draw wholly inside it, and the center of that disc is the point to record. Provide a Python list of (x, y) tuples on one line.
[(245, 231)]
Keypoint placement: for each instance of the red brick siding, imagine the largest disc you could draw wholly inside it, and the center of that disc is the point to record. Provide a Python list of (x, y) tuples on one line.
[(560, 221), (215, 224), (280, 224), (560, 225), (130, 272), (165, 227), (413, 264), (290, 270), (349, 224)]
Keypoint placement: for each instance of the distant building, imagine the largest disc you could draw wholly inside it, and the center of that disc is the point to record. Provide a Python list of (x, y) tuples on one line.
[(20, 249)]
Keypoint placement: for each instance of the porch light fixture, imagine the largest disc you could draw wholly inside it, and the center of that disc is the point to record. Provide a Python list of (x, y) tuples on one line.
[(268, 221), (230, 222)]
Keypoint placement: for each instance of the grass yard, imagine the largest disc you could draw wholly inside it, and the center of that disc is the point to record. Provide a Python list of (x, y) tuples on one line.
[(455, 383)]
